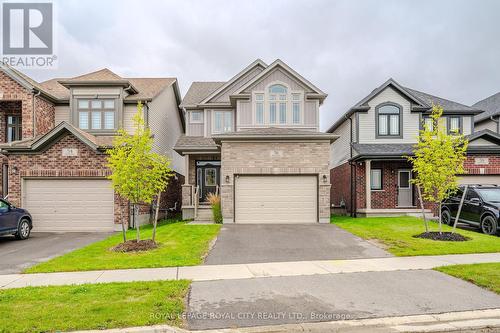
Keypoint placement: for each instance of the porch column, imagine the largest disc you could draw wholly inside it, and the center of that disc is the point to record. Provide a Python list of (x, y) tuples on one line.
[(368, 167), (186, 169)]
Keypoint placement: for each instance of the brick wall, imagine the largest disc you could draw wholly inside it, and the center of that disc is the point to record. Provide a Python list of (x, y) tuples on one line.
[(492, 168), (341, 185), (275, 158)]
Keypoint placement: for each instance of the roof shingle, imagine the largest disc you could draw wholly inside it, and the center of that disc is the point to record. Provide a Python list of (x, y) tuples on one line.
[(198, 91), (490, 106)]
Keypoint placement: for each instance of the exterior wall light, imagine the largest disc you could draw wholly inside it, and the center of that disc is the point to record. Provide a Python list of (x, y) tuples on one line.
[(227, 178), (325, 178)]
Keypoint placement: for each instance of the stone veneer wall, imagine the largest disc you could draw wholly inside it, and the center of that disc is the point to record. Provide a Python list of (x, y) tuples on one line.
[(266, 158)]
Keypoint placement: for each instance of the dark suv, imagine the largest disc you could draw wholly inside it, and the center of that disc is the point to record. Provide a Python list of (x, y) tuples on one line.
[(14, 221), (480, 208)]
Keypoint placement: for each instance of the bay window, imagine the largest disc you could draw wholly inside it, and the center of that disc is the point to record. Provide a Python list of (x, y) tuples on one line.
[(96, 114), (388, 120)]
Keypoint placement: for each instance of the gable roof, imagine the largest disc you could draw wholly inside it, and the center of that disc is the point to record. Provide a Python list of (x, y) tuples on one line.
[(198, 91), (234, 79), (279, 63), (100, 75), (490, 106), (485, 134), (41, 142), (422, 102)]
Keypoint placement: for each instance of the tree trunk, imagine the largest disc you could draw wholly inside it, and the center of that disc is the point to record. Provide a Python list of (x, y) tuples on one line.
[(122, 210), (440, 226), (459, 208), (423, 209), (136, 223), (156, 215)]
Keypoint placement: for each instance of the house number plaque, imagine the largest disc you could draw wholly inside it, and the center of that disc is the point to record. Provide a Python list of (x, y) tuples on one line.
[(481, 161), (70, 152)]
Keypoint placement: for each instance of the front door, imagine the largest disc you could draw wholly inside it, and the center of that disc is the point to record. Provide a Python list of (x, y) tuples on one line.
[(207, 178), (405, 197)]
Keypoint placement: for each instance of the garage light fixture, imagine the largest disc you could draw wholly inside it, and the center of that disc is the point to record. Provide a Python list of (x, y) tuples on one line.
[(325, 178)]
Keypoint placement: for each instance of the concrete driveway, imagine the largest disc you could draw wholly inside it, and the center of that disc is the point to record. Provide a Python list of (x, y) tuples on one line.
[(315, 298), (16, 255), (256, 243)]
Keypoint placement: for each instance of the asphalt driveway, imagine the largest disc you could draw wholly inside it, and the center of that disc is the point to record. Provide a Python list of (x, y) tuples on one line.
[(245, 243), (16, 255), (314, 298)]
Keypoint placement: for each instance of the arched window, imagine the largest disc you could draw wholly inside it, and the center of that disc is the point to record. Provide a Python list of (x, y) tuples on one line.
[(389, 120), (277, 103)]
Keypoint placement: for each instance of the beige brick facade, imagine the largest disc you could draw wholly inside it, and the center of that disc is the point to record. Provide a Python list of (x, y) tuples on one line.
[(275, 158)]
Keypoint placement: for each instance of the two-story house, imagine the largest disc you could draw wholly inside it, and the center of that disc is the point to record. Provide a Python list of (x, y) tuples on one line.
[(370, 174), (255, 139), (53, 141), (490, 118)]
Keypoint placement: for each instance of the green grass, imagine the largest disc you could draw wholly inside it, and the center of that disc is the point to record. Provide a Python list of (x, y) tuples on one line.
[(396, 235), (180, 244), (92, 306), (483, 275)]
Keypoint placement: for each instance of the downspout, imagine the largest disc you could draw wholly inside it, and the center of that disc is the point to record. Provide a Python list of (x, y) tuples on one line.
[(33, 112)]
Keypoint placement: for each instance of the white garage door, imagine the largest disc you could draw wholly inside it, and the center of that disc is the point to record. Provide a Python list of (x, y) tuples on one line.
[(480, 179), (276, 199), (69, 204)]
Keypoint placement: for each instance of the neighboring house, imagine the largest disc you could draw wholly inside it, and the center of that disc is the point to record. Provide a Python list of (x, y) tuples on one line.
[(490, 118), (255, 139), (53, 137), (369, 173)]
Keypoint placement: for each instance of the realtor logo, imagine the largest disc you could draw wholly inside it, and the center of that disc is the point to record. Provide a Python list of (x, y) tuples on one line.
[(27, 28)]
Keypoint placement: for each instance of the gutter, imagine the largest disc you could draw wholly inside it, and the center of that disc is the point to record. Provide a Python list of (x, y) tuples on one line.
[(33, 114)]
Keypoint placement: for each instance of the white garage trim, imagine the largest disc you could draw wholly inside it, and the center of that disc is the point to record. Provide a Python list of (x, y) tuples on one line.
[(480, 179), (69, 204), (279, 199)]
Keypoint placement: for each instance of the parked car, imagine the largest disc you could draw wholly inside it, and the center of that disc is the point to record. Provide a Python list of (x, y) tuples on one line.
[(14, 221), (481, 207)]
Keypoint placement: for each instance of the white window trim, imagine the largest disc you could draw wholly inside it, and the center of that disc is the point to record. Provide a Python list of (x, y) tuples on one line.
[(381, 175), (289, 107), (213, 121), (193, 121)]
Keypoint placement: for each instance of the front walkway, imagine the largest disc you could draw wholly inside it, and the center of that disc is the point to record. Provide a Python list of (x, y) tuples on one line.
[(246, 271)]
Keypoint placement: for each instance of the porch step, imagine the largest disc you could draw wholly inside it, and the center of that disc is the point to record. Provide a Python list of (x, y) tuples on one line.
[(204, 214)]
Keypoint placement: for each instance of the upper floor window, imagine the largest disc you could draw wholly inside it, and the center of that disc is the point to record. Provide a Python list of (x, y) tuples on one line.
[(14, 128), (277, 105), (223, 121), (196, 117), (454, 125), (96, 114), (389, 120), (428, 124)]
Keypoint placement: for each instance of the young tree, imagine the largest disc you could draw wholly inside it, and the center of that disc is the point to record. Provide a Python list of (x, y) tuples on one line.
[(137, 173), (439, 157)]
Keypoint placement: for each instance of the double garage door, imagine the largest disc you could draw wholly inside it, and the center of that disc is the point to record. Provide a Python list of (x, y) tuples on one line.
[(69, 204), (276, 199)]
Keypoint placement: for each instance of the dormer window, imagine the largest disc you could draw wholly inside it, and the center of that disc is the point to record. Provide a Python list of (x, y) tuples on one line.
[(96, 114), (388, 118)]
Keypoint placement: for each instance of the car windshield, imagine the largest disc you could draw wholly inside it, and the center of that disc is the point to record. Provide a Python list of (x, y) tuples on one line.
[(490, 194)]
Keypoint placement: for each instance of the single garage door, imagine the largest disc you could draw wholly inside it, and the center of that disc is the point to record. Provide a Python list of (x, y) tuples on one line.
[(480, 179), (69, 204), (276, 199)]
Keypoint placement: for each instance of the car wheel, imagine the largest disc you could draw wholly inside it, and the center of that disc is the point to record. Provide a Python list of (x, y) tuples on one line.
[(489, 225), (446, 217), (23, 231)]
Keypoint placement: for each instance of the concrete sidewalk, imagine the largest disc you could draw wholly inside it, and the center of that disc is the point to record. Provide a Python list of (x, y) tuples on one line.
[(245, 271)]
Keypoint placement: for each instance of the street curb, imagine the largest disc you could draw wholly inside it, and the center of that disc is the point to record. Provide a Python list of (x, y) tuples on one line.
[(451, 321)]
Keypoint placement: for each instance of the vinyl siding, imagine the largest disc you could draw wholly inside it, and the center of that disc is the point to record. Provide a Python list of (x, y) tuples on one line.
[(467, 125), (487, 124), (244, 113), (62, 113), (224, 95), (340, 149), (166, 126), (128, 113), (311, 113), (195, 129), (280, 76), (367, 123)]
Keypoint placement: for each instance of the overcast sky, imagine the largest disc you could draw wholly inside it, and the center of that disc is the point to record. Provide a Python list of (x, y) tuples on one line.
[(346, 48)]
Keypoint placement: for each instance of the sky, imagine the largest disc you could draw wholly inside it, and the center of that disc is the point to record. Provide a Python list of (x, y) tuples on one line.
[(346, 48)]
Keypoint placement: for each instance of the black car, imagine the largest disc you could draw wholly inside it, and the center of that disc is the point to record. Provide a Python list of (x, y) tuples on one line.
[(481, 207), (14, 221)]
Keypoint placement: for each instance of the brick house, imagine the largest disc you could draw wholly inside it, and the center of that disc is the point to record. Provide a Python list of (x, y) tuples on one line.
[(53, 138), (370, 175), (255, 139)]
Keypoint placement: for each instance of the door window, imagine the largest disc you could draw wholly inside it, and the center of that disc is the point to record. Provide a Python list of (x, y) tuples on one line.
[(404, 179), (210, 177)]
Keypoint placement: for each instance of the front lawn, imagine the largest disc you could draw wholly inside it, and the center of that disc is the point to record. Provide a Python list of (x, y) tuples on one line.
[(484, 275), (180, 244), (396, 235), (92, 306)]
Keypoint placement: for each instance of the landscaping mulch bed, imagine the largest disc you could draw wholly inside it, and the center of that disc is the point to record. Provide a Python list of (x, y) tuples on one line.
[(443, 236), (135, 246)]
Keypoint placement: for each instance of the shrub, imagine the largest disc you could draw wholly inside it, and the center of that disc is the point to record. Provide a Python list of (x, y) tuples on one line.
[(214, 201)]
